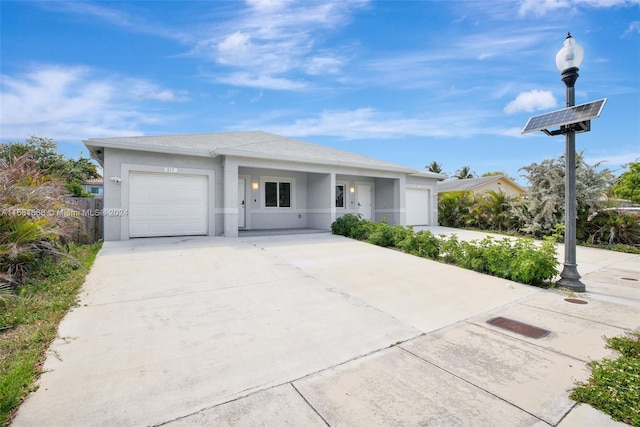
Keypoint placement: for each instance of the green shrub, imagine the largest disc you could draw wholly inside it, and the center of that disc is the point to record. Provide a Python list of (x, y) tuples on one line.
[(451, 249), (614, 385), (379, 234), (423, 244), (349, 225), (520, 260), (534, 265), (498, 256), (383, 234), (628, 346)]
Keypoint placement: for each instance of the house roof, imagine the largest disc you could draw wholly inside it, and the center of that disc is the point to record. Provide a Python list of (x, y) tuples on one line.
[(471, 184), (254, 144)]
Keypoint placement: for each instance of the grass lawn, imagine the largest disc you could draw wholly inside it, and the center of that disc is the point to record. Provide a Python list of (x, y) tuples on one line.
[(29, 322), (614, 386)]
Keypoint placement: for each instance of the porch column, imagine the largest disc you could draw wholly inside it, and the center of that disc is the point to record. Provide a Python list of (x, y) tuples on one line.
[(400, 187), (332, 202), (230, 208)]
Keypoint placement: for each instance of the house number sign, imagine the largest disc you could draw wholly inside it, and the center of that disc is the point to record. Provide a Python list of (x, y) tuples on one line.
[(171, 170)]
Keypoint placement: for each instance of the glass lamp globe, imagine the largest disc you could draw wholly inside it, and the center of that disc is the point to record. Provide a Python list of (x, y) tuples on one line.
[(571, 54)]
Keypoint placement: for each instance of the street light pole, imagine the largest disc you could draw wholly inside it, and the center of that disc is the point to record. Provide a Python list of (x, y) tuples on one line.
[(568, 59)]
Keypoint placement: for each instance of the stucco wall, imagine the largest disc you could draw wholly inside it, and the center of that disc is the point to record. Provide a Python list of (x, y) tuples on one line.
[(118, 163), (320, 198), (387, 200), (261, 217), (312, 200)]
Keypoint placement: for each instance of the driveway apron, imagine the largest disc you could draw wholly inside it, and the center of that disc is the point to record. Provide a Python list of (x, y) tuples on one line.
[(308, 330)]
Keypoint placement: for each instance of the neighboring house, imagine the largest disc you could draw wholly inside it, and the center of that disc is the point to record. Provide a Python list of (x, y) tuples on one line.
[(219, 183), (497, 183), (94, 186)]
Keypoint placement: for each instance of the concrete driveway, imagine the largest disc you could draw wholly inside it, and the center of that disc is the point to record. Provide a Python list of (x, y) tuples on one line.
[(311, 330)]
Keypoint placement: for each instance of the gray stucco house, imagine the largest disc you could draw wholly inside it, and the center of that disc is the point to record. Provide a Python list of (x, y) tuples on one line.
[(220, 183)]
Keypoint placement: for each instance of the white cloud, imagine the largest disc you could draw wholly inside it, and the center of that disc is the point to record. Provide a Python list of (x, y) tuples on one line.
[(542, 7), (614, 159), (75, 102), (271, 39), (539, 8), (531, 101), (634, 28), (369, 123), (121, 18), (145, 90), (235, 49), (324, 65), (261, 81), (267, 4)]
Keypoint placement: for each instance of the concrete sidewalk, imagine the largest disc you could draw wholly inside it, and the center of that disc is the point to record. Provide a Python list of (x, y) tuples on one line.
[(316, 330), (608, 276)]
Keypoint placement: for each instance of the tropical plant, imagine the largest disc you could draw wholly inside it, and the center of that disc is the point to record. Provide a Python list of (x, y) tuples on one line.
[(541, 209), (627, 186), (493, 211), (434, 167), (613, 226), (6, 288), (464, 172), (33, 217), (454, 208), (43, 151)]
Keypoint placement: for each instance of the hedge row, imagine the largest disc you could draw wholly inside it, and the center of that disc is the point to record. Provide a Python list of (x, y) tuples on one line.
[(519, 260)]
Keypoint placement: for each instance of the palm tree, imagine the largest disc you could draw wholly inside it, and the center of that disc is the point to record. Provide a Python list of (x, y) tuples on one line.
[(464, 172), (434, 167)]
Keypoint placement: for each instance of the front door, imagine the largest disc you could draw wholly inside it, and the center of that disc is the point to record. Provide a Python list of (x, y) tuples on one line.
[(242, 203), (363, 200)]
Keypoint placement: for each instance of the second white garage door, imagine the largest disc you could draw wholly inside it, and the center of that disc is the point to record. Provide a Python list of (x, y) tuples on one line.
[(418, 206), (167, 204)]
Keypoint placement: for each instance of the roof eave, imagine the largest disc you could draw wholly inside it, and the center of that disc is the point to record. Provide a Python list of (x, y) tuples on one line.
[(93, 143), (263, 156), (430, 175)]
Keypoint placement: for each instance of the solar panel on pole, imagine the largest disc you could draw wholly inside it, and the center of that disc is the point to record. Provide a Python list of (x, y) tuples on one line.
[(566, 116)]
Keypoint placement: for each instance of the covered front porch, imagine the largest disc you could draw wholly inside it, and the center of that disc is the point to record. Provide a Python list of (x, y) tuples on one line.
[(259, 198)]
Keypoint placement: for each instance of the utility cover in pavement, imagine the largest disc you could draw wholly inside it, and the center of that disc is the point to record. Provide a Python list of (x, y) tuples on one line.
[(519, 327), (575, 301)]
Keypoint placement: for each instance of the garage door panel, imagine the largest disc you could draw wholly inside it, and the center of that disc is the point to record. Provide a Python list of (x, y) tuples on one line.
[(167, 204), (417, 206)]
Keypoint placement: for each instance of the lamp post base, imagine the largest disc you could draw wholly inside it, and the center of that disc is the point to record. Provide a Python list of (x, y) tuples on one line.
[(570, 278)]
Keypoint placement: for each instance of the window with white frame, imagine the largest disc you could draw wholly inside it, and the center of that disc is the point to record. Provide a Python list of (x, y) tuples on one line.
[(277, 194)]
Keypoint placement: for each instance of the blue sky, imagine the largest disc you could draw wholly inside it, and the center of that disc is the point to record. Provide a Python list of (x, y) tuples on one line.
[(405, 81)]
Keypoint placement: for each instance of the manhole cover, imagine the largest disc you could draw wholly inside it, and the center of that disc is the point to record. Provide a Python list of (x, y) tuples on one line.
[(575, 301), (629, 278), (519, 327)]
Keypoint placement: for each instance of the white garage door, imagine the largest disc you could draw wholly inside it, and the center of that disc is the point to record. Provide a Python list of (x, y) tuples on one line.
[(167, 204), (418, 206)]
